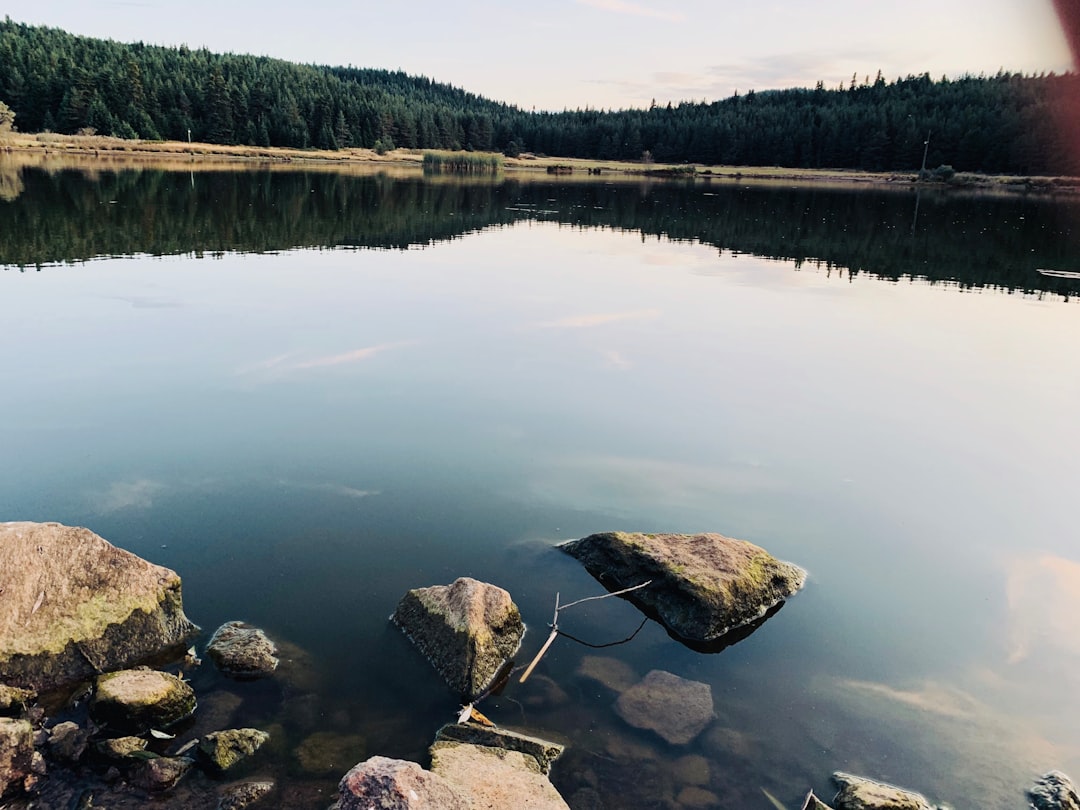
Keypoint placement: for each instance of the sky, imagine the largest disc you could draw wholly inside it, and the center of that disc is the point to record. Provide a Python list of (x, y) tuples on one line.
[(604, 54)]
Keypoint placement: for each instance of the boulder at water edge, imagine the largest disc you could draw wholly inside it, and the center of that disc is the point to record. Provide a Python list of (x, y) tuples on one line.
[(857, 793), (16, 752), (394, 784), (74, 606), (1054, 791), (242, 651), (702, 585), (468, 630), (136, 700)]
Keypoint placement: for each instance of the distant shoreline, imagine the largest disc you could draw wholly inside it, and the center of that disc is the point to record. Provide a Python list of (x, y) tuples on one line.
[(112, 152)]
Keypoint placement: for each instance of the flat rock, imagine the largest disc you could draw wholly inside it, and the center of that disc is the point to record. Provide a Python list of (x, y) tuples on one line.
[(16, 754), (242, 651), (139, 699), (224, 749), (244, 794), (543, 751), (75, 606), (1054, 791), (119, 748), (161, 773), (495, 777), (675, 708), (468, 630), (858, 793), (702, 585), (394, 784)]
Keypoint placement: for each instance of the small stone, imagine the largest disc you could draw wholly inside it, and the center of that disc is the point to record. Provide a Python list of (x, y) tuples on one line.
[(16, 754), (244, 794), (242, 651), (224, 749), (120, 747), (692, 769), (140, 699), (858, 793), (37, 764), (161, 773), (1054, 791), (67, 741), (394, 784), (675, 708)]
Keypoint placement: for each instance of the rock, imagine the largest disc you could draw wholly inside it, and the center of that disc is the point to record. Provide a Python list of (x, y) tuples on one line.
[(495, 777), (139, 699), (857, 793), (14, 700), (67, 741), (812, 802), (468, 630), (394, 784), (1054, 791), (616, 675), (675, 708), (224, 749), (75, 606), (16, 753), (703, 585), (120, 747), (242, 651), (693, 797), (692, 769), (161, 773), (327, 752), (542, 751), (244, 794)]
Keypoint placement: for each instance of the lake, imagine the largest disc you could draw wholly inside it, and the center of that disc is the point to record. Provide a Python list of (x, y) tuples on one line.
[(309, 391)]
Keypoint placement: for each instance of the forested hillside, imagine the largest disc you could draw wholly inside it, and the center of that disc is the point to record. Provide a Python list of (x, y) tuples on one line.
[(1006, 123)]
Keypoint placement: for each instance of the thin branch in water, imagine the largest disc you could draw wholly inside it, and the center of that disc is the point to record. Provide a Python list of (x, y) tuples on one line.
[(601, 596), (610, 643)]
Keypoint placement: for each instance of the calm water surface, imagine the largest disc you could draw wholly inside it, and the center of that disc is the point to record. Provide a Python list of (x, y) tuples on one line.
[(310, 393)]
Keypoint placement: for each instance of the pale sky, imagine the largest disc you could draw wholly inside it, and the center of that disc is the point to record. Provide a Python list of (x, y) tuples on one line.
[(604, 54)]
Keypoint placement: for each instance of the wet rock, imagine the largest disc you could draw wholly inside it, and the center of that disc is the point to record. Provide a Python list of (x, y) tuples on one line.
[(611, 672), (242, 651), (139, 699), (693, 769), (468, 630), (675, 708), (67, 741), (693, 797), (858, 793), (75, 605), (16, 752), (327, 752), (160, 774), (543, 752), (543, 693), (224, 749), (702, 585), (120, 747), (1054, 791), (394, 784), (14, 700), (244, 794), (495, 777)]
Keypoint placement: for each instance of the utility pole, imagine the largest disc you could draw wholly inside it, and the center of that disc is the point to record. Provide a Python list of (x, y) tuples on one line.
[(926, 148)]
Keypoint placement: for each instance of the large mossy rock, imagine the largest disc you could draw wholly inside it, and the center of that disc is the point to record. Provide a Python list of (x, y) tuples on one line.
[(136, 700), (74, 606), (702, 585), (468, 630)]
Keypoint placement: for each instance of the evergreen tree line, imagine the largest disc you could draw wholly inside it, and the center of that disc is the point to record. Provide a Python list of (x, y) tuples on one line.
[(1008, 123)]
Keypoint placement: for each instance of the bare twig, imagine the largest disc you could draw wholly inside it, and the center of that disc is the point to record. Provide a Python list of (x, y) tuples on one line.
[(601, 596)]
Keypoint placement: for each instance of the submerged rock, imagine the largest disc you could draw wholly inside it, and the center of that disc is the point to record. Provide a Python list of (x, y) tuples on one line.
[(140, 699), (16, 755), (1054, 791), (702, 585), (327, 752), (224, 749), (468, 630), (616, 675), (394, 784), (858, 793), (160, 774), (244, 794), (242, 651), (675, 708), (75, 606), (67, 741)]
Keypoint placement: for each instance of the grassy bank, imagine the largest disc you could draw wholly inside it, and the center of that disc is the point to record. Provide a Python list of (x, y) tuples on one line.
[(118, 151)]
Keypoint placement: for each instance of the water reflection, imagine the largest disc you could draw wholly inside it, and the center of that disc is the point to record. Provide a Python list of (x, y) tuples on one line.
[(968, 240)]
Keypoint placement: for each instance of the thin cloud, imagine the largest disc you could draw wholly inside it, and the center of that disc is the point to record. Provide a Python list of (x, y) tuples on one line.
[(354, 356), (599, 319), (634, 10), (617, 360), (122, 495)]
